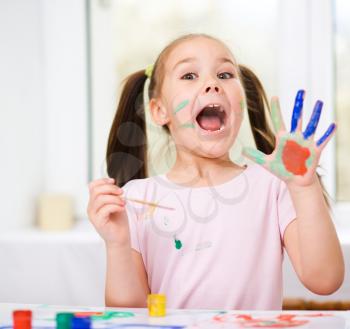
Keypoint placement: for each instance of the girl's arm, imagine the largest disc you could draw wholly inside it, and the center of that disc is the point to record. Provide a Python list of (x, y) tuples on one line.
[(311, 241), (126, 279)]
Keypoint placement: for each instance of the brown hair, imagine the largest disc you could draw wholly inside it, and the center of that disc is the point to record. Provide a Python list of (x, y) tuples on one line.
[(127, 143)]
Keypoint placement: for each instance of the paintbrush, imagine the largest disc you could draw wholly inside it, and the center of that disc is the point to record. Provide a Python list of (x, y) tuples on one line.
[(152, 204)]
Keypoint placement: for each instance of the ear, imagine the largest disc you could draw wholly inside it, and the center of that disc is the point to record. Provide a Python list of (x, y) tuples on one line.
[(158, 112)]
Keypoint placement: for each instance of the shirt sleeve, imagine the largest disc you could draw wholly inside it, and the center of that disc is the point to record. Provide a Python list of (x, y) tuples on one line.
[(132, 217), (285, 207)]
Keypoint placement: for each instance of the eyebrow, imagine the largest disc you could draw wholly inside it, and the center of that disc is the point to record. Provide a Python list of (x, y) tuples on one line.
[(193, 59)]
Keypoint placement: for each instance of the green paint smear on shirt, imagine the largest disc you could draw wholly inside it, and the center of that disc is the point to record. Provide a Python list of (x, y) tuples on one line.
[(178, 244), (113, 315), (182, 105)]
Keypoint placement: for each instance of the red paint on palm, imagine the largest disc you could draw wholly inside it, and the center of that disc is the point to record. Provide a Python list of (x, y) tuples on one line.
[(294, 157)]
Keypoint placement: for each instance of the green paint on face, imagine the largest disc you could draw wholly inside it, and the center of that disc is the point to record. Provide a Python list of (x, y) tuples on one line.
[(242, 104), (113, 315), (178, 244), (187, 125), (182, 105), (255, 154)]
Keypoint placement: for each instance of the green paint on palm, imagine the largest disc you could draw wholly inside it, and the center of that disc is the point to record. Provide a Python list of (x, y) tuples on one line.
[(182, 105), (277, 165), (254, 154)]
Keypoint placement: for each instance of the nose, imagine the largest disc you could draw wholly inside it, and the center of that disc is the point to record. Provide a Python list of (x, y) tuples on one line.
[(212, 88)]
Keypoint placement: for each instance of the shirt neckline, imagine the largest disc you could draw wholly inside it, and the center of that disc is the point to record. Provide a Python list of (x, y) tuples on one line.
[(233, 179)]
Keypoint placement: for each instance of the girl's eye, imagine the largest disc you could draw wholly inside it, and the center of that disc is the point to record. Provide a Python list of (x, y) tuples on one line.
[(225, 75), (189, 76)]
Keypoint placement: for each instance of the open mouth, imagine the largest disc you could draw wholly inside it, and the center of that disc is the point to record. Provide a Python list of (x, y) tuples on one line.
[(211, 118)]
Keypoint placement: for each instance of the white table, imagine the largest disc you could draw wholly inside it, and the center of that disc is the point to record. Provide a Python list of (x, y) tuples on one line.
[(69, 269), (44, 317)]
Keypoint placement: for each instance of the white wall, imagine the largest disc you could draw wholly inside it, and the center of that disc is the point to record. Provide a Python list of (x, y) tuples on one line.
[(43, 105), (66, 105), (22, 114)]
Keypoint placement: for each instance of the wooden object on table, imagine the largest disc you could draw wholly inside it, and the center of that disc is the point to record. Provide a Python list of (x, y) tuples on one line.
[(302, 304), (55, 212)]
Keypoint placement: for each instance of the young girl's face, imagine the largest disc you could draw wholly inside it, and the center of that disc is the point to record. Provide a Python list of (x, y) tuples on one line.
[(201, 99)]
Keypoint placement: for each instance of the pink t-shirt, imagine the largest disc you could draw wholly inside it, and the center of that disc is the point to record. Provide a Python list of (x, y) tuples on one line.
[(219, 247)]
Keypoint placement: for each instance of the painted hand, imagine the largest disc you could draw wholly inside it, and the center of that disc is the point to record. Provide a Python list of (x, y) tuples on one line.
[(296, 155)]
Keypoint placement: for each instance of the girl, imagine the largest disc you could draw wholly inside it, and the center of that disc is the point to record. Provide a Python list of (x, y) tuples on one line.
[(210, 233)]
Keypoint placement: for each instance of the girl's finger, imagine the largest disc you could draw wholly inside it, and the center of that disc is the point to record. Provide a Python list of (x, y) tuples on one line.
[(255, 155), (103, 200), (322, 142), (276, 115), (101, 181), (106, 210), (297, 111), (105, 189), (315, 117)]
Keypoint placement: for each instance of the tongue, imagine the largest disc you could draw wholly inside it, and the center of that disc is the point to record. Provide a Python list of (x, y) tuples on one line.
[(209, 122)]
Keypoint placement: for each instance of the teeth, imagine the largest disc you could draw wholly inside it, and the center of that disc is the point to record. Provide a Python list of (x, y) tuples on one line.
[(216, 106), (213, 105)]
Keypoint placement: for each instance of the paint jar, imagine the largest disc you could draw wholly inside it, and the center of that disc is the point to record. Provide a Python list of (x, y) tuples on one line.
[(63, 320), (83, 322), (22, 319), (156, 304)]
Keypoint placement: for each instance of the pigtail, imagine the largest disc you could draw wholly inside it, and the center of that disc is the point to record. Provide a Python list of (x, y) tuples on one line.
[(127, 142), (257, 103)]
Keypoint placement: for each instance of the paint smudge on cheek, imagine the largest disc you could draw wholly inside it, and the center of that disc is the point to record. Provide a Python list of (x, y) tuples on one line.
[(294, 157), (242, 104), (181, 106), (187, 125)]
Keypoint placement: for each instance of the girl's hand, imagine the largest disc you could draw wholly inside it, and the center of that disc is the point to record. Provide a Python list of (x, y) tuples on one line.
[(296, 155), (106, 210)]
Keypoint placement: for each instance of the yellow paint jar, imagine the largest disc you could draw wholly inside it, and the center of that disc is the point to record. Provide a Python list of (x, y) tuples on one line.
[(156, 304)]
